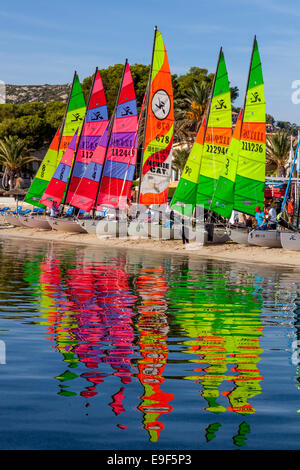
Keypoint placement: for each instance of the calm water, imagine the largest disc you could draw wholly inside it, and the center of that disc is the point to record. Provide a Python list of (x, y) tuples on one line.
[(128, 350)]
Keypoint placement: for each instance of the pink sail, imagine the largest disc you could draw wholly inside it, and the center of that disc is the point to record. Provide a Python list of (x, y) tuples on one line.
[(58, 183), (119, 167), (96, 120)]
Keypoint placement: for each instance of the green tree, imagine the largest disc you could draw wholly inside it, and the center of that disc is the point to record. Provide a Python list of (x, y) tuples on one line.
[(179, 158), (13, 158), (277, 152)]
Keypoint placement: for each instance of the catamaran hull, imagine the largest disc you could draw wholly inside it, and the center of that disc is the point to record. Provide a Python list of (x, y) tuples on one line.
[(239, 235), (290, 240), (105, 228), (13, 219), (65, 225), (267, 238), (36, 222)]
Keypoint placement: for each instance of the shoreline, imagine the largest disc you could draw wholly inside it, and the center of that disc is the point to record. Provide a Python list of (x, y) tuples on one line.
[(230, 251)]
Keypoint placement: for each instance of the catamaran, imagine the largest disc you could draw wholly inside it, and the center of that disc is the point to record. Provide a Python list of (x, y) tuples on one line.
[(156, 159), (242, 180), (201, 172), (107, 181), (94, 126), (73, 119)]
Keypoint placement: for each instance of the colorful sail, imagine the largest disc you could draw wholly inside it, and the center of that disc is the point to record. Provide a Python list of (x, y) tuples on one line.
[(223, 199), (251, 167), (86, 193), (122, 150), (95, 122), (217, 136), (184, 198), (73, 119), (158, 139), (44, 174), (57, 186)]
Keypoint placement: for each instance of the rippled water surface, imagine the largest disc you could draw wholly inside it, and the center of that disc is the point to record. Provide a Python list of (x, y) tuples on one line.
[(113, 349)]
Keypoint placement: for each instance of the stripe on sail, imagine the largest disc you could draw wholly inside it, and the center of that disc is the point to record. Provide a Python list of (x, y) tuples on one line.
[(217, 136), (122, 149), (95, 122), (251, 167), (85, 196), (156, 163), (56, 188), (184, 197), (44, 174), (223, 199)]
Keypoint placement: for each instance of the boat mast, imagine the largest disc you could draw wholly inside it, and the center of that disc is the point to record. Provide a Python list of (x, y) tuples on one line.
[(146, 111), (66, 112)]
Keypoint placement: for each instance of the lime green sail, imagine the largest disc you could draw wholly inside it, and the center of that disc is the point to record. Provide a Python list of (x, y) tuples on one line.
[(184, 198), (242, 180), (73, 119), (251, 166), (217, 136)]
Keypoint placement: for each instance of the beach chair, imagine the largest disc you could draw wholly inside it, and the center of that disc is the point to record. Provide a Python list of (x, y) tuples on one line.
[(5, 209), (18, 210), (25, 212)]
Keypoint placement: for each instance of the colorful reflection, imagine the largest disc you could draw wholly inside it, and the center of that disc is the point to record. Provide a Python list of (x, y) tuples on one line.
[(153, 327), (223, 325), (91, 320)]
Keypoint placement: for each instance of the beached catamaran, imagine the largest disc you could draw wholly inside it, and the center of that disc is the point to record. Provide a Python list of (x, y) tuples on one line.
[(94, 125), (203, 167), (73, 120), (242, 180), (159, 129), (108, 179)]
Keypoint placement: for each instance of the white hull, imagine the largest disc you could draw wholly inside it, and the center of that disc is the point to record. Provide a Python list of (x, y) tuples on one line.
[(239, 235), (13, 219), (267, 238), (35, 221), (290, 240), (65, 225), (105, 228)]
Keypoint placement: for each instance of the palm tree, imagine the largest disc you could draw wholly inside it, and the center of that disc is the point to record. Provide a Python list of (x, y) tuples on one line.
[(277, 152), (12, 158), (179, 158)]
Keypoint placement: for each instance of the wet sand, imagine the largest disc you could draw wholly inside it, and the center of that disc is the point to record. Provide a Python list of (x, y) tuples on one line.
[(228, 251)]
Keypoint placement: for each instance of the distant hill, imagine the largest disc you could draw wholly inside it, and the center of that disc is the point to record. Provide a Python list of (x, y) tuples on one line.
[(20, 94)]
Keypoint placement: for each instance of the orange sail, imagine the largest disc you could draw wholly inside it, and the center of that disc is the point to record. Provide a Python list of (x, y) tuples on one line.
[(158, 139)]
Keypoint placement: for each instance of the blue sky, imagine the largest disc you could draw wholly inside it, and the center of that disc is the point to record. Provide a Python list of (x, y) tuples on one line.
[(44, 42)]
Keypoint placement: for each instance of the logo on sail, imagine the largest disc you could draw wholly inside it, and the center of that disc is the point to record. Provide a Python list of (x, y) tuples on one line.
[(161, 104)]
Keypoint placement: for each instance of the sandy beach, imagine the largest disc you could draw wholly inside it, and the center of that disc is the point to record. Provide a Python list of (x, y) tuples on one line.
[(228, 251)]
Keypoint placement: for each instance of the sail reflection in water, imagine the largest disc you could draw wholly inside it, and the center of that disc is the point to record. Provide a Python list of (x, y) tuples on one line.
[(221, 317), (153, 328), (91, 320)]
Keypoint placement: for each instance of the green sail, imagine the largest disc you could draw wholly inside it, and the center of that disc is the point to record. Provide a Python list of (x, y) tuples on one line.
[(251, 165), (223, 199), (73, 119), (184, 197), (217, 136)]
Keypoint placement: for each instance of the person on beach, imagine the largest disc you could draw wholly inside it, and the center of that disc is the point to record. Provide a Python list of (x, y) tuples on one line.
[(54, 210), (271, 217), (290, 210), (261, 223)]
